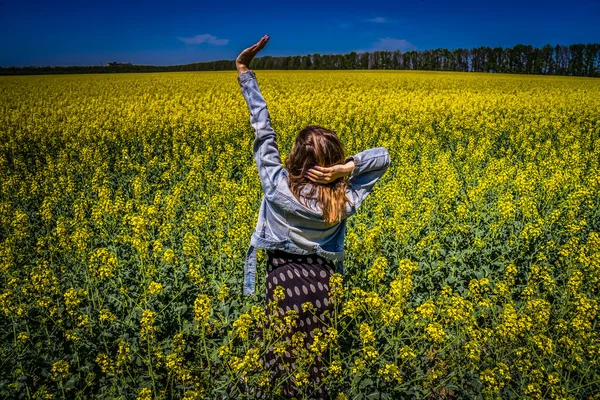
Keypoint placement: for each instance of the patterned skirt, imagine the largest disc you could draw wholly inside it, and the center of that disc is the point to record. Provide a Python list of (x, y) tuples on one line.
[(304, 278)]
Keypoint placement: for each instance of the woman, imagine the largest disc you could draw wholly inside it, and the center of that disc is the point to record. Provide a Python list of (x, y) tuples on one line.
[(302, 217)]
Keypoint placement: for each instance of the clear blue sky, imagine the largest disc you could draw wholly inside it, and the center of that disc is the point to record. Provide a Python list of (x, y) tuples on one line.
[(59, 32)]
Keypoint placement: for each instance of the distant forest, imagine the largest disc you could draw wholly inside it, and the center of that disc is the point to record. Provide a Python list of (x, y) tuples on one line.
[(574, 59)]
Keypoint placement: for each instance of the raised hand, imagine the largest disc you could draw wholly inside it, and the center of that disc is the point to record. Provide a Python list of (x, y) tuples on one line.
[(242, 62)]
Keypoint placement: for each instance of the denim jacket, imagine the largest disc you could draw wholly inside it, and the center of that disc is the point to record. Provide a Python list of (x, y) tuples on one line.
[(283, 222)]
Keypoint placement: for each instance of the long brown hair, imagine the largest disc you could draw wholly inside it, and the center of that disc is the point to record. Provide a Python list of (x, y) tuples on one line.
[(316, 145)]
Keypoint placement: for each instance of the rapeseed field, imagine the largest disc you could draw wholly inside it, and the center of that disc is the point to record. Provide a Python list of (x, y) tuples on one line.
[(128, 200)]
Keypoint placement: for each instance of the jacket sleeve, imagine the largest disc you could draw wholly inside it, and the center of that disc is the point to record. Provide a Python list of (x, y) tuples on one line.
[(369, 166), (266, 152)]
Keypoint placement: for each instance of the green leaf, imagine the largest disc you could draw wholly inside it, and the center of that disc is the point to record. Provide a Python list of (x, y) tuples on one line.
[(364, 383)]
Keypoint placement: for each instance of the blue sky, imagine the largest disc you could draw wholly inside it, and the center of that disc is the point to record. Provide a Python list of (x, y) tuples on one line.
[(45, 33)]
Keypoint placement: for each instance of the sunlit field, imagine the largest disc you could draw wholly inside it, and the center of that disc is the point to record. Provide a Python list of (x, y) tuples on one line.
[(128, 200)]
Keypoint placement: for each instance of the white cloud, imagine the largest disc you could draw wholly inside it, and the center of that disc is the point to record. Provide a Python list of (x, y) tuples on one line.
[(206, 38), (390, 44), (378, 20)]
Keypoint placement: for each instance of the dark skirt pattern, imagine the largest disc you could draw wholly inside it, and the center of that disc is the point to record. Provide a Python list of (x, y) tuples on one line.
[(304, 278)]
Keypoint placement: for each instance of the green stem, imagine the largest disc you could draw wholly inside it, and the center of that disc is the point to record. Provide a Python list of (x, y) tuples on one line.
[(150, 369), (205, 347), (173, 299)]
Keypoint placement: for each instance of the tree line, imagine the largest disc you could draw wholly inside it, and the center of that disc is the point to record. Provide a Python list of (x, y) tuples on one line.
[(575, 59)]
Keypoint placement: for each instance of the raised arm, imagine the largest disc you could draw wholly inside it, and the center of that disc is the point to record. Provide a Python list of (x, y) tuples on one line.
[(266, 153), (364, 170), (369, 167)]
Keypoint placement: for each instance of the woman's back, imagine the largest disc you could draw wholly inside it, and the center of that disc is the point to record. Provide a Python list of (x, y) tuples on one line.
[(284, 223)]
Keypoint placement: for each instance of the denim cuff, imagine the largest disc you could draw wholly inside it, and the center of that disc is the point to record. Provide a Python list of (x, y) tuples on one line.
[(246, 76), (369, 160)]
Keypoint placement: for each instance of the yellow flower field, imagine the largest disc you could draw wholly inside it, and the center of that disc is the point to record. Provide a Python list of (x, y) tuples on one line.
[(128, 200)]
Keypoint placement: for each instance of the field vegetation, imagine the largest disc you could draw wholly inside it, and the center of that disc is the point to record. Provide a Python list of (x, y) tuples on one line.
[(128, 200)]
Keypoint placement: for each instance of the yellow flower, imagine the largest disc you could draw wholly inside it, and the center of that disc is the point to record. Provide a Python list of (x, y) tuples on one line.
[(298, 341), (71, 335), (406, 353), (104, 362), (60, 370), (301, 378), (73, 298), (264, 379), (193, 395), (223, 292), (190, 244), (123, 354), (291, 317), (473, 350), (103, 263), (373, 301), (169, 256), (147, 328), (331, 336), (83, 320), (279, 293), (202, 309), (335, 368), (390, 372), (308, 306), (279, 348), (195, 274), (106, 315), (478, 288), (359, 365), (407, 267), (377, 270), (242, 325), (426, 310), (366, 334), (155, 288), (435, 332), (319, 346), (144, 394), (370, 353), (23, 337), (336, 287), (157, 248)]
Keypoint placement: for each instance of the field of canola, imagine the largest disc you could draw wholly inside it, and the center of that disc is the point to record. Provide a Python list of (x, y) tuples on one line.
[(128, 200)]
